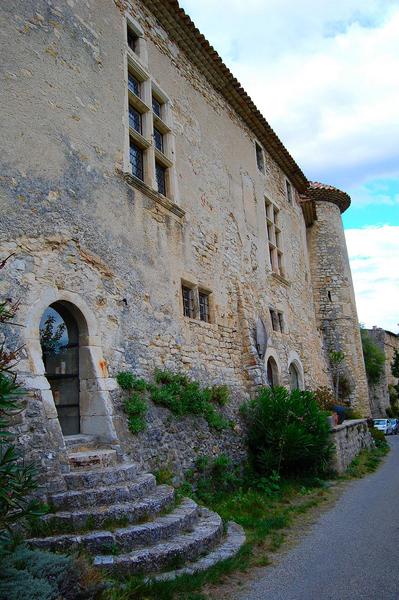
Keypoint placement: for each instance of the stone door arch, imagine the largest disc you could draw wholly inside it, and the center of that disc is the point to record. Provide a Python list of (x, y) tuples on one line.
[(95, 412)]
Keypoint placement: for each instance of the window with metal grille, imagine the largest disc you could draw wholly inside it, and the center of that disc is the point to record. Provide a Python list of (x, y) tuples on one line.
[(136, 160), (158, 139), (134, 119), (280, 321), (133, 84), (156, 106), (132, 39), (188, 301), (260, 160), (160, 173), (203, 299), (289, 191)]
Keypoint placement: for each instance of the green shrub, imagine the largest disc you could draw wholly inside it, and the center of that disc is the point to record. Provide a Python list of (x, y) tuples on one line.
[(220, 394), (136, 409), (36, 575), (378, 437), (128, 382), (287, 432), (183, 397), (374, 357)]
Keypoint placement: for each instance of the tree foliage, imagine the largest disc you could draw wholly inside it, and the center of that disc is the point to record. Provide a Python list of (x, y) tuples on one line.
[(17, 480), (374, 357), (287, 432)]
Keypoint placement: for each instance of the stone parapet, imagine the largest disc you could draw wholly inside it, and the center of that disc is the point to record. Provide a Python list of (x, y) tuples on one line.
[(349, 439)]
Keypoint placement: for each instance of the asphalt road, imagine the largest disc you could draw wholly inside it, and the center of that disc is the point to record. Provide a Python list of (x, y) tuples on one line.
[(351, 552)]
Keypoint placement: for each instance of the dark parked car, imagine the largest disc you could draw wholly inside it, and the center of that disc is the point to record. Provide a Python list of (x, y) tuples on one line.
[(395, 426)]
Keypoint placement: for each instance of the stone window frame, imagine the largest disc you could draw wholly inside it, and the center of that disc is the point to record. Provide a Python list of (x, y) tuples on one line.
[(277, 320), (198, 290), (145, 140), (260, 157), (140, 50), (294, 359), (289, 191), (274, 238)]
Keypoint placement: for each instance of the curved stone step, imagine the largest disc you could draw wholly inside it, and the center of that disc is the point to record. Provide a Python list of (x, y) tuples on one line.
[(96, 457), (228, 547), (185, 546), (126, 538), (104, 495), (101, 477), (95, 516)]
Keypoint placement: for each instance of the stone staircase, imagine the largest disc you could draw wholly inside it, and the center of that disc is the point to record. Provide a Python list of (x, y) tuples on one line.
[(127, 522)]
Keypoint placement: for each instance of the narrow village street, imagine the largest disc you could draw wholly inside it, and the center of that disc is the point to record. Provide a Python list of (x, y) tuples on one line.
[(352, 552)]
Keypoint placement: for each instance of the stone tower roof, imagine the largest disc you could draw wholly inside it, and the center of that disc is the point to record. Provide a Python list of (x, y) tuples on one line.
[(328, 193)]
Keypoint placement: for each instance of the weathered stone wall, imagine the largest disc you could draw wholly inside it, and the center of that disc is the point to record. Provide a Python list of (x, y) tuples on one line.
[(388, 342), (80, 231), (335, 300), (349, 439)]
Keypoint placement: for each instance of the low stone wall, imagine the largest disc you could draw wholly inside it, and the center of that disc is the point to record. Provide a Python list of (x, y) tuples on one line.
[(349, 439)]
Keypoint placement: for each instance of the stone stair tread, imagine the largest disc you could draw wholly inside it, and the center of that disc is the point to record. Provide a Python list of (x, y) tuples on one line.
[(188, 545), (160, 492), (227, 548), (91, 452), (70, 495), (99, 475), (181, 515), (78, 439)]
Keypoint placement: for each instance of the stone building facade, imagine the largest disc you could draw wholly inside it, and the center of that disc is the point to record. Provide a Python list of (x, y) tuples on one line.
[(148, 202), (388, 342)]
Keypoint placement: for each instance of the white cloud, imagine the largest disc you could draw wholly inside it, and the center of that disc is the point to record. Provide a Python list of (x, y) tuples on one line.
[(324, 74), (373, 254)]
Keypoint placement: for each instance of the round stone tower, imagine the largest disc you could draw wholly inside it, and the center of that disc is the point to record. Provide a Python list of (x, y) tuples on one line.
[(333, 291)]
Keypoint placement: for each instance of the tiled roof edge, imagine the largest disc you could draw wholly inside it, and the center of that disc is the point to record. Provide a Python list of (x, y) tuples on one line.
[(182, 30)]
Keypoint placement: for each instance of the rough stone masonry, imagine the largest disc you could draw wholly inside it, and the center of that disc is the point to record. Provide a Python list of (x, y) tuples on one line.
[(134, 165)]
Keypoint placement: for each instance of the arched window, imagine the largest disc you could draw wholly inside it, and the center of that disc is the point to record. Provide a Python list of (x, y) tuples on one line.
[(272, 372), (294, 377), (59, 339)]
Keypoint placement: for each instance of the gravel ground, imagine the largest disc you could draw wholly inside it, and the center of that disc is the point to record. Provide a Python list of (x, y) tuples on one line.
[(352, 552)]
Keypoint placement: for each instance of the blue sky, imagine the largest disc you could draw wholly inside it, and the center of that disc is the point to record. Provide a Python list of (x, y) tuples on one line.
[(326, 77)]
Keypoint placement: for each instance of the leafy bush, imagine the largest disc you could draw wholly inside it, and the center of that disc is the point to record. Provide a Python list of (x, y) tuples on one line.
[(17, 480), (325, 398), (36, 575), (136, 409), (287, 432), (184, 397), (374, 357), (378, 437), (128, 382)]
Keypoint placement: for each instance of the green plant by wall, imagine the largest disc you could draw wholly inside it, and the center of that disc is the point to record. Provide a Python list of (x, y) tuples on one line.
[(287, 432), (374, 357), (17, 479), (134, 405), (184, 397)]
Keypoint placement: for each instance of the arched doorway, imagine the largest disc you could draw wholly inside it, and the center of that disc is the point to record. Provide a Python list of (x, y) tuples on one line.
[(272, 372), (59, 339), (294, 377)]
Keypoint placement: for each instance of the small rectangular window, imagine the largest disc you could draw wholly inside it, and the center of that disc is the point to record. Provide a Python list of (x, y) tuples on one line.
[(289, 191), (132, 39), (203, 298), (134, 119), (280, 321), (188, 301), (260, 160), (158, 139), (134, 84), (160, 173), (156, 107), (136, 160), (274, 319)]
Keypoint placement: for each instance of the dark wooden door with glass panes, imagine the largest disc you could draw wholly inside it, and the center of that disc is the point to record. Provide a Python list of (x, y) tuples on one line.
[(59, 339)]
